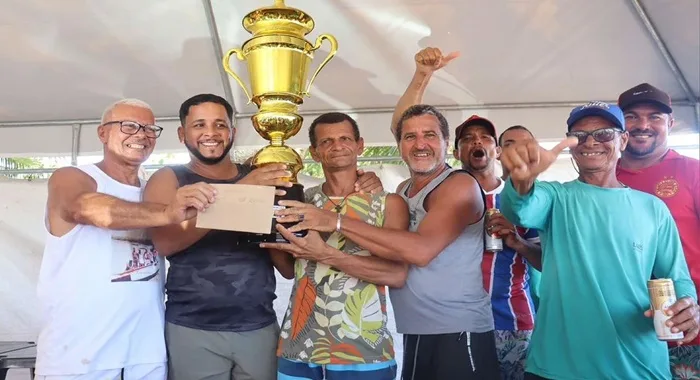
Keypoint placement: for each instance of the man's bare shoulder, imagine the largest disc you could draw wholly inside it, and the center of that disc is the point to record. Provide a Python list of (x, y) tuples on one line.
[(165, 174), (71, 176), (394, 200), (458, 182)]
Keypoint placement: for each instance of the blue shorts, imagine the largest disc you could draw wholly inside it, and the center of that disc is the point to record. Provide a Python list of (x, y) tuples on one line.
[(293, 370)]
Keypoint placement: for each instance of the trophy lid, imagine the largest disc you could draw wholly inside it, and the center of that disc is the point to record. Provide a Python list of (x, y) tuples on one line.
[(278, 19)]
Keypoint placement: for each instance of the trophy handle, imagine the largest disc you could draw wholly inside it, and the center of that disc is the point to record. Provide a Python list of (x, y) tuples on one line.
[(229, 70), (317, 45)]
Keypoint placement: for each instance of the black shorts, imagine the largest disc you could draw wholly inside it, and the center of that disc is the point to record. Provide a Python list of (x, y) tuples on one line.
[(463, 356)]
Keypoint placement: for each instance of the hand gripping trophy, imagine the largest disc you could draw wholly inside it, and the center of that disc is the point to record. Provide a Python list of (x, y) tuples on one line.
[(278, 59)]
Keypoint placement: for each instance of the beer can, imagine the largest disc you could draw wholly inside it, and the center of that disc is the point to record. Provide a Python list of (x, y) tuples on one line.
[(492, 242), (662, 295)]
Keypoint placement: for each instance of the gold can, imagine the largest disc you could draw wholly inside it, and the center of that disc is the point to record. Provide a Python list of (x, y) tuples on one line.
[(662, 295), (492, 242)]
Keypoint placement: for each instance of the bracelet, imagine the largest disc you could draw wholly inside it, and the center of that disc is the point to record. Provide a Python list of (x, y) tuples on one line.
[(337, 223)]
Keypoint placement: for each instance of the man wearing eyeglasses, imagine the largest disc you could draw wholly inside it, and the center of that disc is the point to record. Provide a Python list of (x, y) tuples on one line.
[(649, 165), (601, 242), (101, 280)]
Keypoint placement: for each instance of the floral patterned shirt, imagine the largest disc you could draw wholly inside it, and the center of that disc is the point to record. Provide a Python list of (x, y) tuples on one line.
[(333, 318)]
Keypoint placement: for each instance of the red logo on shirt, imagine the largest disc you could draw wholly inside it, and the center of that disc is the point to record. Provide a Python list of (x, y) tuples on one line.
[(667, 188)]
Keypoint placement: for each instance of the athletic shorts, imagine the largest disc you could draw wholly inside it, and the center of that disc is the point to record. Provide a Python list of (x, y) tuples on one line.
[(221, 355), (294, 370), (137, 372), (464, 356)]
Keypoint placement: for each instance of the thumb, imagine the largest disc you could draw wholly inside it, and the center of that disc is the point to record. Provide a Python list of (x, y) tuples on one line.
[(446, 59), (648, 313), (360, 172), (566, 143)]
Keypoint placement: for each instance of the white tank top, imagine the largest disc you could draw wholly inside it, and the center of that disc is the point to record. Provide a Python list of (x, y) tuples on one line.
[(101, 295)]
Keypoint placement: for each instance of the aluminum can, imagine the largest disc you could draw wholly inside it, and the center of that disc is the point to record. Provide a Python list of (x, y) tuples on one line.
[(492, 242), (662, 295)]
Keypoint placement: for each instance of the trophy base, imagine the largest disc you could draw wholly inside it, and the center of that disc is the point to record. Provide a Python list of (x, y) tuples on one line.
[(294, 193)]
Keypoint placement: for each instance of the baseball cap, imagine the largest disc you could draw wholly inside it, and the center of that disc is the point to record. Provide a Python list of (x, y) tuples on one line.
[(645, 93), (476, 120), (609, 112)]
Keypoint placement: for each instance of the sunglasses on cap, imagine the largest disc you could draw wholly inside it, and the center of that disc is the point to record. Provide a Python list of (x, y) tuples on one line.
[(600, 135)]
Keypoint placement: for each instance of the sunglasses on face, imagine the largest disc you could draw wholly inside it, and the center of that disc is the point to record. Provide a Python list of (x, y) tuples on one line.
[(600, 135)]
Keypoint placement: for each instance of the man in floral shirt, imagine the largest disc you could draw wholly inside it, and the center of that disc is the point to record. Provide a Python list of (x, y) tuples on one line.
[(336, 322)]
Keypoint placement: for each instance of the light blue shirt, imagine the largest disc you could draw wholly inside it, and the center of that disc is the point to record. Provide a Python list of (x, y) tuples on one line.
[(600, 246)]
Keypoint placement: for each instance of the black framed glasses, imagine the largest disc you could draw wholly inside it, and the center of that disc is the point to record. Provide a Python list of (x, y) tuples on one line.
[(600, 135), (131, 128)]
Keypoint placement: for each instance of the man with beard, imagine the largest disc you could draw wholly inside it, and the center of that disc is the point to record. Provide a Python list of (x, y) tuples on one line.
[(220, 321), (101, 283), (505, 273), (602, 242), (650, 166), (336, 322), (443, 309)]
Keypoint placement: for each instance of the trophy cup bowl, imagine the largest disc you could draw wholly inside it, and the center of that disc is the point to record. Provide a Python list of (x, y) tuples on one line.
[(278, 58)]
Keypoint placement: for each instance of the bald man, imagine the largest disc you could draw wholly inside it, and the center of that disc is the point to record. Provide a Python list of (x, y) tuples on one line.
[(101, 280)]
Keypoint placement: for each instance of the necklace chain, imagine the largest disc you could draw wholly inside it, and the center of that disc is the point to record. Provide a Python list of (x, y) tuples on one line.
[(338, 207)]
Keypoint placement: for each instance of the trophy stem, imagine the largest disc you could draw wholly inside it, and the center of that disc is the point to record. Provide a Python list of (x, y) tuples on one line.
[(276, 140)]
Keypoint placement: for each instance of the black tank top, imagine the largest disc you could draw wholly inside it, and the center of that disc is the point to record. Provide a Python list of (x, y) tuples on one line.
[(220, 283)]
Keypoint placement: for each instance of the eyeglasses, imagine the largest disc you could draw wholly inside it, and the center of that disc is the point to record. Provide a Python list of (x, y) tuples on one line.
[(600, 135), (132, 128)]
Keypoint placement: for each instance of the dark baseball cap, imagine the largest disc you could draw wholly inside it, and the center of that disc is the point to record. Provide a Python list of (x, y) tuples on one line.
[(645, 93), (475, 120), (609, 112)]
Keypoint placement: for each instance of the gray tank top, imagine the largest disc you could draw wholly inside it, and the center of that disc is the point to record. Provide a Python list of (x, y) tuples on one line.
[(448, 295)]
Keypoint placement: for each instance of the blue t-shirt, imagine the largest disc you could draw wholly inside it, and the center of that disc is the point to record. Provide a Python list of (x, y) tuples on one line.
[(600, 246)]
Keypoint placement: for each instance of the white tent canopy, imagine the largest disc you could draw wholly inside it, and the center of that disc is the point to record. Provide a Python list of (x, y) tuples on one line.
[(522, 62)]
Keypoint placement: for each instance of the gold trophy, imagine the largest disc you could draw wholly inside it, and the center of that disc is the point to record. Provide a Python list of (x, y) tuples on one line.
[(278, 59)]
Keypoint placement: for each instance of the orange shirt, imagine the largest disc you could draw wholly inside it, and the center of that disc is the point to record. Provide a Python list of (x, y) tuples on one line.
[(676, 181)]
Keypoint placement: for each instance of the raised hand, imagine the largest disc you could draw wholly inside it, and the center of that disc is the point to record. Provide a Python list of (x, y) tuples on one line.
[(525, 161), (189, 200), (431, 59)]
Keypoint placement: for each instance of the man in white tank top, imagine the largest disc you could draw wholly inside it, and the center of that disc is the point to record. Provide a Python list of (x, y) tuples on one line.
[(101, 281)]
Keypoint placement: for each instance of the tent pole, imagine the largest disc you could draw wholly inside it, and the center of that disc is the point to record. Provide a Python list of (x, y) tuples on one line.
[(75, 149), (218, 51), (661, 47)]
